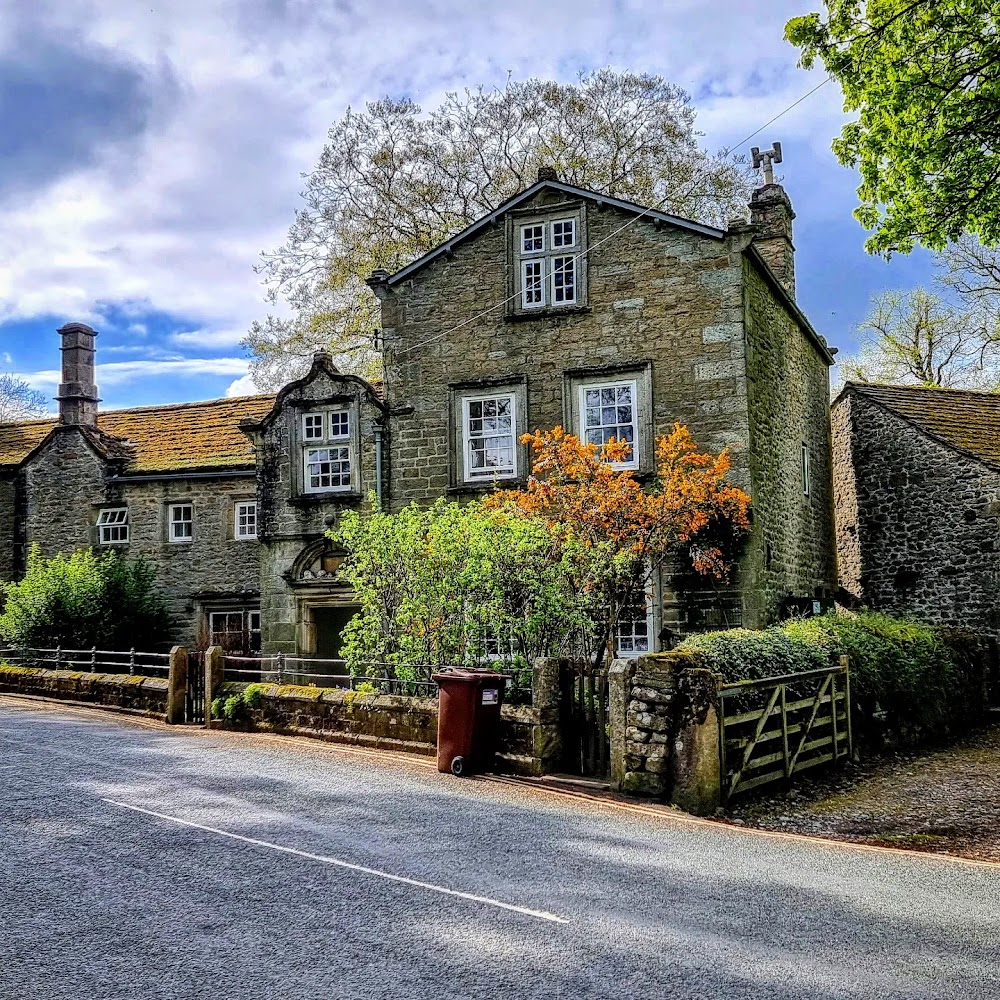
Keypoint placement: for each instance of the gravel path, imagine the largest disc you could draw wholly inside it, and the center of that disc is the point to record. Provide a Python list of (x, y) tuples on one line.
[(142, 861), (945, 802)]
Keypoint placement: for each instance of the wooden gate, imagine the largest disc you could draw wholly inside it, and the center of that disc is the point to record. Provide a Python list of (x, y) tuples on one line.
[(194, 696), (776, 727), (584, 713)]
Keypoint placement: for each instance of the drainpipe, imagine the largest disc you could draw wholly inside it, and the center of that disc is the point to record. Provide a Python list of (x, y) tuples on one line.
[(377, 432)]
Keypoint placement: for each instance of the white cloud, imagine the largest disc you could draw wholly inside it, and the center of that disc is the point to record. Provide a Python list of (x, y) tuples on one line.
[(176, 218), (243, 386), (207, 338), (119, 373)]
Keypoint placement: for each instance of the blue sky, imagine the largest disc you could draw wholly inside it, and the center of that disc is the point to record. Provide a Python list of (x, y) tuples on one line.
[(150, 154)]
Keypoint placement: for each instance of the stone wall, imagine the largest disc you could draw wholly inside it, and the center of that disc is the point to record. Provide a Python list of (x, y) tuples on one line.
[(665, 730), (215, 570), (919, 527), (8, 526), (145, 695), (792, 550)]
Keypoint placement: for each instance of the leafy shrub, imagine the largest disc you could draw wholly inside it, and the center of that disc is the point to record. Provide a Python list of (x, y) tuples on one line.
[(906, 677), (84, 600), (236, 708)]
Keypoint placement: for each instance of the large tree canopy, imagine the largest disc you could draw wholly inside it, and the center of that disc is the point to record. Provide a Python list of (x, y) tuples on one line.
[(393, 182), (924, 78)]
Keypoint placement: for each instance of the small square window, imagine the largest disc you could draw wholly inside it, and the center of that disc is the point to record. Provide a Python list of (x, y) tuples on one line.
[(340, 424), (181, 522), (112, 526), (532, 238), (312, 427), (563, 234), (245, 521)]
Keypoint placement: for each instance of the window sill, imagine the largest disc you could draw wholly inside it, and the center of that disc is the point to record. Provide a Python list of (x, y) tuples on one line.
[(493, 486), (330, 496), (549, 312)]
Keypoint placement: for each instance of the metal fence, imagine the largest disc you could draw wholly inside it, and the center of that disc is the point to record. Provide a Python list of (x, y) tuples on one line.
[(377, 678), (104, 661)]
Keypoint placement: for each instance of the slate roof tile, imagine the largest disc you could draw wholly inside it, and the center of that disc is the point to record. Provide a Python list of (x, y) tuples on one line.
[(960, 418), (161, 438)]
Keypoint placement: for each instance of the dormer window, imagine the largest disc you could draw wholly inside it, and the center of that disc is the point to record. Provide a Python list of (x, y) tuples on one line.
[(549, 263), (327, 451)]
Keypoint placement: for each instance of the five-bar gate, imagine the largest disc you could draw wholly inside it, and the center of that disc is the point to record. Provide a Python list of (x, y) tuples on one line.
[(774, 728)]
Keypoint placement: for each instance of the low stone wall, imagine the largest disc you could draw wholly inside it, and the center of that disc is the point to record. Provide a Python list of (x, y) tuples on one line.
[(530, 740), (665, 730), (146, 695)]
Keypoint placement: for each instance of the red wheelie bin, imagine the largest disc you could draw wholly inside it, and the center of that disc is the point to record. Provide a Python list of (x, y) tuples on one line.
[(469, 703)]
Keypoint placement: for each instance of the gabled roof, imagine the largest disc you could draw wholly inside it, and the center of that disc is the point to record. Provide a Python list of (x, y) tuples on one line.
[(570, 189), (180, 437), (963, 419)]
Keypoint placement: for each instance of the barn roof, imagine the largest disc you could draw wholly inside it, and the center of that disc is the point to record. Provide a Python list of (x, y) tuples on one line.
[(963, 419)]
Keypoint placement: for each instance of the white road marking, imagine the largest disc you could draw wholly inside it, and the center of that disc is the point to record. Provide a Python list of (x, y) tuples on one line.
[(429, 886)]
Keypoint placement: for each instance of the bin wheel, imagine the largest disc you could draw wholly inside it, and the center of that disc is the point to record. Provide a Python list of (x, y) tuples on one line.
[(458, 766)]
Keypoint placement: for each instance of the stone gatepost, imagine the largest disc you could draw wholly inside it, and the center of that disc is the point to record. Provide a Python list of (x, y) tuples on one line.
[(665, 730), (546, 734), (177, 685), (214, 663)]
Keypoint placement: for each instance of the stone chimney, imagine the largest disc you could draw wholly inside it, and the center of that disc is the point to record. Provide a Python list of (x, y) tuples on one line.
[(547, 173), (77, 392), (771, 212)]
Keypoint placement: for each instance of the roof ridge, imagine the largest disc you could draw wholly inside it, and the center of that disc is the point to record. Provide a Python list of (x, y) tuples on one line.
[(186, 406), (936, 389)]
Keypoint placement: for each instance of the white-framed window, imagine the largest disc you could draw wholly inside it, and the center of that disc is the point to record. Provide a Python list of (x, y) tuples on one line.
[(180, 522), (549, 270), (245, 521), (112, 526), (489, 436), (610, 410), (806, 476), (326, 451), (634, 631)]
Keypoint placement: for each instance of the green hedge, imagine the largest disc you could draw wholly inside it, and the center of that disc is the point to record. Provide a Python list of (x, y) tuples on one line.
[(909, 681)]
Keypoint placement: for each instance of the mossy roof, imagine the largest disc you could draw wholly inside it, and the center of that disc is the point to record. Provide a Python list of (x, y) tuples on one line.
[(964, 419), (161, 438)]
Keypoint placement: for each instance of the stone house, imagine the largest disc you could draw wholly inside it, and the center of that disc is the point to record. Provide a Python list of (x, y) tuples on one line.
[(561, 307), (567, 307), (174, 484), (917, 486)]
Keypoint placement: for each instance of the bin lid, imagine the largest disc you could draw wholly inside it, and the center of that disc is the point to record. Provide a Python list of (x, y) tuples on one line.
[(469, 676)]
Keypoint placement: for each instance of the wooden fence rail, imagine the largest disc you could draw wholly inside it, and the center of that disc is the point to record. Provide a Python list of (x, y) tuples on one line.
[(776, 727)]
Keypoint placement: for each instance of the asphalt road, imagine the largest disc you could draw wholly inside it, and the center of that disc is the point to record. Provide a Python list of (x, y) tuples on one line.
[(138, 861)]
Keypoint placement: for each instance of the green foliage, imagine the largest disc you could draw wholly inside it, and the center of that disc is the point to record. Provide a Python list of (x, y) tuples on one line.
[(921, 681), (84, 600), (924, 79), (236, 708), (742, 654), (452, 584)]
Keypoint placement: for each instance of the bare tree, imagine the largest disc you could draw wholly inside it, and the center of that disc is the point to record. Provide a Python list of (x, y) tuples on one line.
[(393, 182), (918, 337), (18, 401)]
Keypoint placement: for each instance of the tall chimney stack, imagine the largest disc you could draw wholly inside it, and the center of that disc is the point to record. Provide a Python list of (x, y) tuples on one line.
[(77, 392), (771, 212)]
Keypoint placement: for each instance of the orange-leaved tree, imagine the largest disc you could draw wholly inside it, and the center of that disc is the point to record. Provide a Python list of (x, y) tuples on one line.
[(614, 532)]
